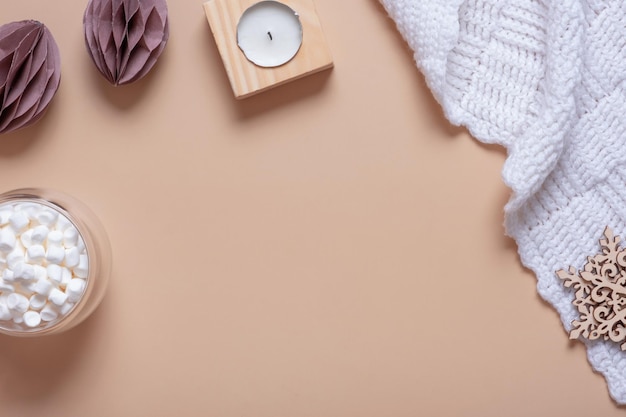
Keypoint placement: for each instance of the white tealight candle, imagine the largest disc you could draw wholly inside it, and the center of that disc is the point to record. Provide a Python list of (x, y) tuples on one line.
[(269, 33)]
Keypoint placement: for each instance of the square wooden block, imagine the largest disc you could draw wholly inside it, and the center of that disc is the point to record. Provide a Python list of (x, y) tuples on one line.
[(247, 78)]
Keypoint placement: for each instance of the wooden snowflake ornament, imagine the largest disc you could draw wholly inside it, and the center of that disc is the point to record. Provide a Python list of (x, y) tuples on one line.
[(600, 293)]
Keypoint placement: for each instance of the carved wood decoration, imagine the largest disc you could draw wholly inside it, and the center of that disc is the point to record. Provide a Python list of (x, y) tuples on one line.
[(600, 293)]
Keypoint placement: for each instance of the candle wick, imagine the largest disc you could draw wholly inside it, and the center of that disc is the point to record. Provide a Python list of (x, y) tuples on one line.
[(270, 35)]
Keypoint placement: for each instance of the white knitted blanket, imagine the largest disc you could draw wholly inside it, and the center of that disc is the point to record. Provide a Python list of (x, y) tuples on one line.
[(545, 79)]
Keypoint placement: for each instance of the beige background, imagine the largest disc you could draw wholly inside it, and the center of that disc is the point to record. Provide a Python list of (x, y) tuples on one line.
[(329, 248)]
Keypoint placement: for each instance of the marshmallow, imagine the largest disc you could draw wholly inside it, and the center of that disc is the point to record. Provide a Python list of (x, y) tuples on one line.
[(48, 314), (82, 269), (17, 303), (29, 209), (4, 216), (18, 318), (66, 276), (57, 297), (32, 319), (15, 257), (5, 313), (7, 239), (81, 245), (39, 234), (26, 238), (40, 272), (24, 271), (70, 237), (47, 217), (8, 275), (55, 254), (75, 289), (35, 253), (38, 301), (72, 257), (55, 273), (6, 287), (18, 220), (43, 287), (63, 223), (66, 308), (55, 238)]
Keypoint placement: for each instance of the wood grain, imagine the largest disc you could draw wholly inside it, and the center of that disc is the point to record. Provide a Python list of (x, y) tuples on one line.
[(246, 78)]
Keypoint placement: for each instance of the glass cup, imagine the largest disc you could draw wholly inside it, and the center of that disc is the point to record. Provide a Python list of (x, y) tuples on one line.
[(96, 248)]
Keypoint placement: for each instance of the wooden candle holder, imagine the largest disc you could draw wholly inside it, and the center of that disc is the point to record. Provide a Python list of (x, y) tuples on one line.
[(246, 78)]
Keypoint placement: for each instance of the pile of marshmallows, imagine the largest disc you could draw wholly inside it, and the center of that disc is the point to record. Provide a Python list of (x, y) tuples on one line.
[(43, 264)]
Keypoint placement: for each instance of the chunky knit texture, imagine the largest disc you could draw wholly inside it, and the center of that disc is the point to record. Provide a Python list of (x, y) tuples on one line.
[(545, 79)]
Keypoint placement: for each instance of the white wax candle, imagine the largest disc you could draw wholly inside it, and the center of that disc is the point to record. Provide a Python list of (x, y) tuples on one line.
[(269, 33)]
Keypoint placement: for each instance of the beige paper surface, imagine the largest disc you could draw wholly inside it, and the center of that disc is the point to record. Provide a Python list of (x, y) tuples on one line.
[(331, 247)]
